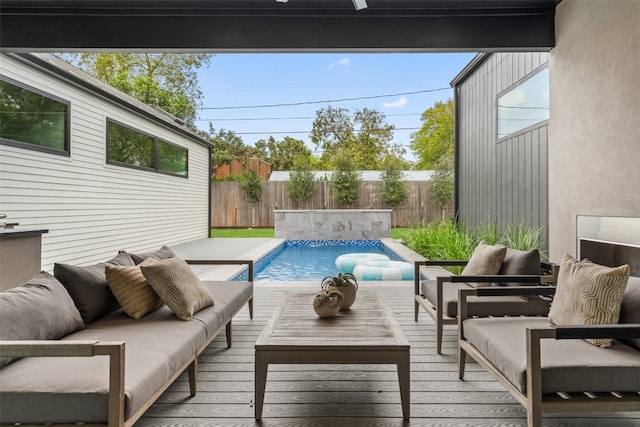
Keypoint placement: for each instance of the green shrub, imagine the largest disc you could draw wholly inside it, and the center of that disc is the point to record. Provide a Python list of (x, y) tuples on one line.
[(445, 240), (302, 183), (345, 180), (251, 184), (395, 190)]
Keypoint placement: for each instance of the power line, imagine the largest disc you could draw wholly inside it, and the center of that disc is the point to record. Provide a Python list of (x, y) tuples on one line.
[(302, 131), (238, 119), (324, 101)]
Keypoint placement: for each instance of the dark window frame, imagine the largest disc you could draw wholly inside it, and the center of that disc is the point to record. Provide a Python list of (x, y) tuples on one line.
[(66, 152), (527, 128), (156, 140)]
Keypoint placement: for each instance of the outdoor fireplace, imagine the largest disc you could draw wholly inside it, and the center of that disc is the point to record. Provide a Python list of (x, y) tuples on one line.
[(610, 241)]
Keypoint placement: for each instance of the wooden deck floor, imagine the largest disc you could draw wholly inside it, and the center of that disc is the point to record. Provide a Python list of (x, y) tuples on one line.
[(348, 395)]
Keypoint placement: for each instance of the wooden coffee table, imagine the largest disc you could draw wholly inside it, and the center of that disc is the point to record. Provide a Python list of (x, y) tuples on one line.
[(366, 334)]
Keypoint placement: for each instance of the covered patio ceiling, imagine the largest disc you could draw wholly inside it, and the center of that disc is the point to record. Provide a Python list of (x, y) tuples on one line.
[(270, 26)]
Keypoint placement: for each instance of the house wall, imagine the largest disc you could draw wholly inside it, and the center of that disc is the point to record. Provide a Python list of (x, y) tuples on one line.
[(499, 181), (90, 208), (594, 132)]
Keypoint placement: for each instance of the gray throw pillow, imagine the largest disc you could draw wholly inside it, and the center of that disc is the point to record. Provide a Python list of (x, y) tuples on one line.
[(40, 309), (88, 286), (517, 263), (162, 253)]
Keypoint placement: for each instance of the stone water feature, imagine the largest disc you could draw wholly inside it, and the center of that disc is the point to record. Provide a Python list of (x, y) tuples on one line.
[(330, 224)]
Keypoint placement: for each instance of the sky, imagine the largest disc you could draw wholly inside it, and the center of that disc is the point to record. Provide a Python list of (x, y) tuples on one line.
[(399, 85)]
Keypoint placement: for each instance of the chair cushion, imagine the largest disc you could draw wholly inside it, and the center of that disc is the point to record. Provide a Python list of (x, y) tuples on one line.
[(630, 307), (486, 260), (517, 262), (132, 290), (177, 285), (588, 294), (162, 253), (485, 306), (88, 286), (567, 365), (40, 309)]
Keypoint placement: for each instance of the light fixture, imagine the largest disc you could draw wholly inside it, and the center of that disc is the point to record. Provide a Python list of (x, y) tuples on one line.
[(358, 4)]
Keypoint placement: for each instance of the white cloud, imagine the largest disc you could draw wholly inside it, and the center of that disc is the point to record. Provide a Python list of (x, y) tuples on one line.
[(344, 63), (400, 102)]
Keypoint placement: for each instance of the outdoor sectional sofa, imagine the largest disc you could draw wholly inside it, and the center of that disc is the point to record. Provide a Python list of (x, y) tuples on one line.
[(565, 362), (83, 362)]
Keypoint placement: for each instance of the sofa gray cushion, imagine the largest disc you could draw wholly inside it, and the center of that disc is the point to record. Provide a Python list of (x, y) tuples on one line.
[(162, 253), (485, 306), (517, 262), (88, 286), (567, 365), (40, 309), (630, 307), (74, 389)]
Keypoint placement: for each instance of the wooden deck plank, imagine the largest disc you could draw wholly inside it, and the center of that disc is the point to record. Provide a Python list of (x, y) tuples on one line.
[(347, 395)]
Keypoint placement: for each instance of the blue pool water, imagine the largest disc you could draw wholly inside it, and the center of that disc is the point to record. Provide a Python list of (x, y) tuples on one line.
[(312, 259)]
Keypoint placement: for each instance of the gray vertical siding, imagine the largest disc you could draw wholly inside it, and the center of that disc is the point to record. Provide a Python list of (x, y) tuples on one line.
[(499, 181)]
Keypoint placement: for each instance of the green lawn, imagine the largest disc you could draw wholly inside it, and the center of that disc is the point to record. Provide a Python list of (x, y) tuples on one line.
[(396, 233)]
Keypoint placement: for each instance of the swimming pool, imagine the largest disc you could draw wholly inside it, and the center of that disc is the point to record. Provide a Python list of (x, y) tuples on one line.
[(312, 259)]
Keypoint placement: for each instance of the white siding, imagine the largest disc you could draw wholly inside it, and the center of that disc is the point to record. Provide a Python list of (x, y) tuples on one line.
[(92, 209)]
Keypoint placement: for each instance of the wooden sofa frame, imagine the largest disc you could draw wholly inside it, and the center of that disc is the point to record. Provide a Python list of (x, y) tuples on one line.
[(436, 311), (116, 353), (534, 401)]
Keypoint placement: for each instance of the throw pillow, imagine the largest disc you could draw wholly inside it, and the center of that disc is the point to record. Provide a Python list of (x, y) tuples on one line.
[(517, 262), (40, 309), (88, 286), (588, 294), (486, 260), (162, 253), (177, 285), (131, 289)]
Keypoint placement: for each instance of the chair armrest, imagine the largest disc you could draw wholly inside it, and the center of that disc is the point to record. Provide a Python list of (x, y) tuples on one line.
[(495, 278), (248, 262), (443, 263), (616, 331), (493, 291), (80, 348)]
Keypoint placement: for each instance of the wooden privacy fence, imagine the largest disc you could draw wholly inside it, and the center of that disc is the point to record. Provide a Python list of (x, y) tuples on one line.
[(230, 208)]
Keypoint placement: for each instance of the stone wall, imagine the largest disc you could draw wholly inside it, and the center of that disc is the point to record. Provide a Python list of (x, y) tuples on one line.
[(345, 224)]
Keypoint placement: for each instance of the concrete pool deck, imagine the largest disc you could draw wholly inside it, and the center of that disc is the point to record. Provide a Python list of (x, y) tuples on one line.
[(216, 248)]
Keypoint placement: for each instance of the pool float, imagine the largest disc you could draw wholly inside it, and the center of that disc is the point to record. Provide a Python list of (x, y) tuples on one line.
[(384, 270), (346, 262)]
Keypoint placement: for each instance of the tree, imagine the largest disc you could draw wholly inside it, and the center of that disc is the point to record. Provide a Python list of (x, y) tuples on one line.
[(394, 187), (251, 184), (436, 136), (366, 136), (346, 179), (302, 183), (443, 183), (165, 80), (226, 147), (281, 154)]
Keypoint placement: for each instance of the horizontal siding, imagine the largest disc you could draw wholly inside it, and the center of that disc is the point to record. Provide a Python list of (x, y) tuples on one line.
[(92, 209)]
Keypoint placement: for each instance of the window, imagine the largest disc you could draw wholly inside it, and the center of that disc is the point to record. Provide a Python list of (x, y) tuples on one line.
[(524, 105), (172, 159), (32, 119), (133, 148)]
